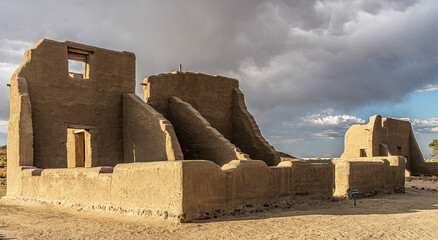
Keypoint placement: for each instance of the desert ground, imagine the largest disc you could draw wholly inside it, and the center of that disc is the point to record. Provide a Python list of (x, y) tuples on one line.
[(412, 215)]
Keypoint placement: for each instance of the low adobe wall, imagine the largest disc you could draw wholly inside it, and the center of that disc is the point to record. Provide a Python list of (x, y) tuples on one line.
[(153, 188), (370, 175), (180, 190), (193, 189)]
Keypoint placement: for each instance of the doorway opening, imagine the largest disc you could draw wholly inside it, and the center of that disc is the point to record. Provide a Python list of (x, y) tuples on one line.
[(78, 148)]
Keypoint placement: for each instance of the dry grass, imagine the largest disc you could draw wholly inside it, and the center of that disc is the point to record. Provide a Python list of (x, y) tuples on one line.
[(3, 165), (431, 160), (301, 159)]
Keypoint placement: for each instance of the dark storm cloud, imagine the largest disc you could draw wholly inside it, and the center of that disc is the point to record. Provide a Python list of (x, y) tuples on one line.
[(293, 58)]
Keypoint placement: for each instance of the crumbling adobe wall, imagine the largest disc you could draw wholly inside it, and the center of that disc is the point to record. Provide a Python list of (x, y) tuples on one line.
[(219, 101), (60, 101), (199, 140), (147, 135), (387, 137)]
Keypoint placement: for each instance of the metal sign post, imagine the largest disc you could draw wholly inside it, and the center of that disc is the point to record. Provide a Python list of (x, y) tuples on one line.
[(355, 194)]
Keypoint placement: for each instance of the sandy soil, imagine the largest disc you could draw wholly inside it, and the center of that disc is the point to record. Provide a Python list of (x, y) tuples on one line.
[(413, 215)]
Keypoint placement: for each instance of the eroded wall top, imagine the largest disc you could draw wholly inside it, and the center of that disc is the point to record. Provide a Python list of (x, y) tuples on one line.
[(212, 96)]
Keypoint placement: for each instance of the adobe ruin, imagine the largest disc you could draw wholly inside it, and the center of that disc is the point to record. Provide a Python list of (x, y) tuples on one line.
[(383, 137), (189, 150)]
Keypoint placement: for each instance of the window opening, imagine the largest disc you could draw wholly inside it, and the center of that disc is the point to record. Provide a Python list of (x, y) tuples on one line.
[(399, 150), (363, 153), (78, 63)]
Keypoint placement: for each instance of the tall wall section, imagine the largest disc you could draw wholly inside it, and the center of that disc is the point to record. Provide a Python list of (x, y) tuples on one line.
[(61, 100), (219, 100)]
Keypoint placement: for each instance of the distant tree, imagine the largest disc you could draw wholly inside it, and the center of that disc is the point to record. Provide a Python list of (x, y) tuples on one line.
[(434, 146)]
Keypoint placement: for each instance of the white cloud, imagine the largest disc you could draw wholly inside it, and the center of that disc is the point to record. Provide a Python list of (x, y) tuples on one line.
[(337, 120), (425, 126), (428, 88), (315, 126)]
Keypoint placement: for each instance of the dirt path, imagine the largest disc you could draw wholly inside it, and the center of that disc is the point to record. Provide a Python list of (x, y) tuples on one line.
[(413, 215)]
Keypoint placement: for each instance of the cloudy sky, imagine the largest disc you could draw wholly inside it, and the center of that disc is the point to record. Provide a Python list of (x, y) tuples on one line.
[(309, 69)]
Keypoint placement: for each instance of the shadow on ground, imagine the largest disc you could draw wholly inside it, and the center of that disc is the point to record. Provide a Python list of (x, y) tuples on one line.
[(2, 236)]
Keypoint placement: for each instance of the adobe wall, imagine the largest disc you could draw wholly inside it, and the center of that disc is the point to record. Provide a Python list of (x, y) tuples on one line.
[(180, 190), (195, 189), (147, 135), (244, 182), (198, 139), (369, 175), (59, 100), (219, 100), (387, 137), (151, 189)]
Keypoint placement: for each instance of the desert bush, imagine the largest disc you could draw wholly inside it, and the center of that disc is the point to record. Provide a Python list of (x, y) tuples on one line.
[(3, 166)]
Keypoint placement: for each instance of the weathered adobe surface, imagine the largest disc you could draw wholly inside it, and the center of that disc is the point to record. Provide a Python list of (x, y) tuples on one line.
[(179, 190), (54, 100), (48, 105), (218, 100), (187, 190), (200, 139)]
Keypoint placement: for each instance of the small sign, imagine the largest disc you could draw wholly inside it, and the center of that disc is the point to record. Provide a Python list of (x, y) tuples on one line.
[(355, 192)]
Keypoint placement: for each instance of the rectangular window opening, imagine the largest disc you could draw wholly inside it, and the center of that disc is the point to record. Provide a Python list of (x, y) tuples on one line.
[(363, 152), (78, 63), (399, 150)]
